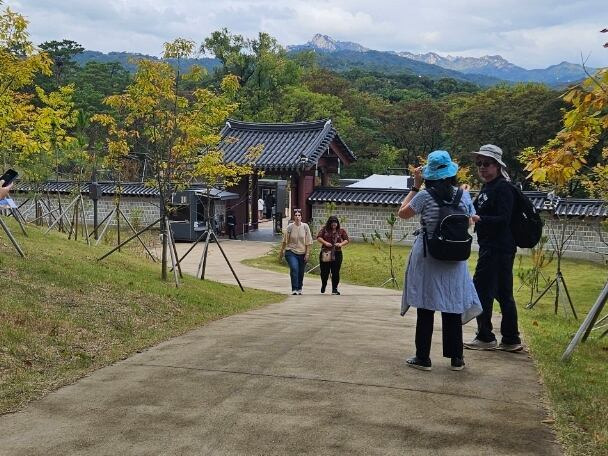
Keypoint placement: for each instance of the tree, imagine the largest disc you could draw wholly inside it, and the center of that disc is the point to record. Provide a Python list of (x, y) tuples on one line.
[(512, 117), (585, 125), (170, 127), (20, 61), (34, 124), (416, 128), (63, 67)]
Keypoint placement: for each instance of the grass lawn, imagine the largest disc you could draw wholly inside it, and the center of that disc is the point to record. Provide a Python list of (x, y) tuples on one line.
[(63, 314), (578, 390)]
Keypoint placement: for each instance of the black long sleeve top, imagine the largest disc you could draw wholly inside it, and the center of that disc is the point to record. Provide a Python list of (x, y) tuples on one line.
[(494, 205)]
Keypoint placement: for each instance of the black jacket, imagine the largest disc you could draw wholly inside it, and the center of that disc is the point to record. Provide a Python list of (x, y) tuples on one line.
[(494, 205)]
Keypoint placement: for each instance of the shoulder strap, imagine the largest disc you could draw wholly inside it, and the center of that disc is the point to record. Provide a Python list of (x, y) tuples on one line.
[(457, 197), (435, 196)]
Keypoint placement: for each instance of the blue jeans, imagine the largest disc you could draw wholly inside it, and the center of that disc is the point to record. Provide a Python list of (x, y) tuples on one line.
[(296, 269)]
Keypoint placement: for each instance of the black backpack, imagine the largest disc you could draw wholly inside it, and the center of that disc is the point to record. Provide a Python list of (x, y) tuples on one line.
[(526, 223), (451, 240)]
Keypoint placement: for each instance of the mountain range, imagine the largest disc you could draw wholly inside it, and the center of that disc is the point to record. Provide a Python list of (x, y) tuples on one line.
[(345, 55), (493, 67)]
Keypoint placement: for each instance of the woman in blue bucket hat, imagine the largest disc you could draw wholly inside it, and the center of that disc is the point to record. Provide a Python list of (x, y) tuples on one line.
[(431, 284)]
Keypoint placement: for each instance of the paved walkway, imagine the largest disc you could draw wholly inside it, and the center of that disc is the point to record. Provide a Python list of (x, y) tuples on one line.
[(315, 374)]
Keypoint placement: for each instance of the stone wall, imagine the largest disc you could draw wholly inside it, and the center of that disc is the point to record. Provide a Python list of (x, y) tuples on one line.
[(584, 243), (141, 211)]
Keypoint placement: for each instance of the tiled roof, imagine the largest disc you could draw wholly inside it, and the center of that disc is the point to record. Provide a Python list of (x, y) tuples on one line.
[(349, 195), (560, 207), (571, 207), (109, 189), (286, 146)]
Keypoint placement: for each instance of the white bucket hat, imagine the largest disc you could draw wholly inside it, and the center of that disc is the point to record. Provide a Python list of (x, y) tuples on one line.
[(495, 152)]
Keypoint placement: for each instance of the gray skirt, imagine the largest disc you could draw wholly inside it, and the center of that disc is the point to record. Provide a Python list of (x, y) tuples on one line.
[(444, 286)]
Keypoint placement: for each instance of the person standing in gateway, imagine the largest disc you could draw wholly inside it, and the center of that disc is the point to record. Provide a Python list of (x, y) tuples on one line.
[(260, 208), (269, 203), (493, 277)]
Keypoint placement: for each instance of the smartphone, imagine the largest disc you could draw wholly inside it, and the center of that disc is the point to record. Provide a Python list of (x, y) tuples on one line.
[(8, 177)]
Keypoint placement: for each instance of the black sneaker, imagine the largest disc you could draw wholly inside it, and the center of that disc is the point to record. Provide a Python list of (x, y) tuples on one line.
[(323, 287), (457, 364), (417, 363), (335, 292)]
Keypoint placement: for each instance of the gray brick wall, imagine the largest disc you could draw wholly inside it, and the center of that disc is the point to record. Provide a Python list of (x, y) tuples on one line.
[(359, 218), (142, 210)]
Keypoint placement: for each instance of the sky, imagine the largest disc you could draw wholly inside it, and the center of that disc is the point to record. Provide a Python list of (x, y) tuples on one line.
[(528, 33)]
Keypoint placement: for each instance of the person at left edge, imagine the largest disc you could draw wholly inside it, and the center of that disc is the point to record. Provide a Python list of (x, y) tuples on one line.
[(4, 191)]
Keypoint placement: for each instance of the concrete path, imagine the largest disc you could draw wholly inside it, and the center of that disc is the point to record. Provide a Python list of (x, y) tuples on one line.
[(315, 374)]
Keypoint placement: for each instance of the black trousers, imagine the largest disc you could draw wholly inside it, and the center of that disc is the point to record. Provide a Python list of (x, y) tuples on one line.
[(334, 268), (231, 232), (451, 329), (493, 279)]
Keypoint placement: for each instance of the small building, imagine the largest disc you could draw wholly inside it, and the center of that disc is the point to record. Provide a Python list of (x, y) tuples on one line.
[(188, 214), (304, 153)]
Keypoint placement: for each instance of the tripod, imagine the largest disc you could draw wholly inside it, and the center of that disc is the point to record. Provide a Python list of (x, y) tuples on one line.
[(202, 265), (79, 212), (589, 324), (392, 281), (560, 242), (10, 235), (119, 213)]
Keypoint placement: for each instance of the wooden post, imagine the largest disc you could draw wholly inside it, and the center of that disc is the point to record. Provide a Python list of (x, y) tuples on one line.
[(255, 195)]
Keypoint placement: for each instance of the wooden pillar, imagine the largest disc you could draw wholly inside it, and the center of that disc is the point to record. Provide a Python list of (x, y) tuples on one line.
[(294, 193), (306, 185), (247, 204), (254, 200), (324, 177)]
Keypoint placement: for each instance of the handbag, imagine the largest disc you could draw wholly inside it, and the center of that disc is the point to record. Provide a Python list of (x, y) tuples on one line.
[(326, 256)]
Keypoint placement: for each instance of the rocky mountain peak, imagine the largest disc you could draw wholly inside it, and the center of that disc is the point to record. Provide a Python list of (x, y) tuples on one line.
[(326, 43)]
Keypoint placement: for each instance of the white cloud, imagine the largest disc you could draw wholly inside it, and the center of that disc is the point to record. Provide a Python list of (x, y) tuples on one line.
[(530, 33)]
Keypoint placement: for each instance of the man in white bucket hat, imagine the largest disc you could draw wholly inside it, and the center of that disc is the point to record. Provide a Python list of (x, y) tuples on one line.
[(493, 277)]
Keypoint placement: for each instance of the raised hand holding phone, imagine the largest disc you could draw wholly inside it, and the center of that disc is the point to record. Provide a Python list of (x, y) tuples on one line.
[(8, 177), (6, 182)]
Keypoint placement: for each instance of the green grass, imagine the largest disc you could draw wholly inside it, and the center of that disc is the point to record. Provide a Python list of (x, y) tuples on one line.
[(577, 390), (64, 314)]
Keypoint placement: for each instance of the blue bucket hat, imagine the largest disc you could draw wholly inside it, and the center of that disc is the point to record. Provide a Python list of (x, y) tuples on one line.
[(439, 165)]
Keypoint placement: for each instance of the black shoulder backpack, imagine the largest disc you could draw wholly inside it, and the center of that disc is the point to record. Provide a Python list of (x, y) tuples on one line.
[(451, 240), (526, 224)]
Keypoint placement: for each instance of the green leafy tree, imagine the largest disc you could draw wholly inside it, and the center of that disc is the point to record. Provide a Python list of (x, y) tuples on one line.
[(416, 128), (63, 65), (512, 117), (34, 124), (171, 127)]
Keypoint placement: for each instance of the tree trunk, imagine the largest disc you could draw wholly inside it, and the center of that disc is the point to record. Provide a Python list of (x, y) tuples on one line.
[(163, 237)]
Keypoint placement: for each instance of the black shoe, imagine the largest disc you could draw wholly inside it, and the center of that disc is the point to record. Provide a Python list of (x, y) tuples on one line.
[(323, 287), (457, 364), (417, 363), (335, 292)]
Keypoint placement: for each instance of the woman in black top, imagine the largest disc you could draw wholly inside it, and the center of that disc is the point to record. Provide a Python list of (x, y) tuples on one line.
[(332, 238)]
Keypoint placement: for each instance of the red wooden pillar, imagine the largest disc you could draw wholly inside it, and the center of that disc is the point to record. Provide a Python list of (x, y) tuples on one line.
[(240, 206), (306, 185), (254, 200)]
